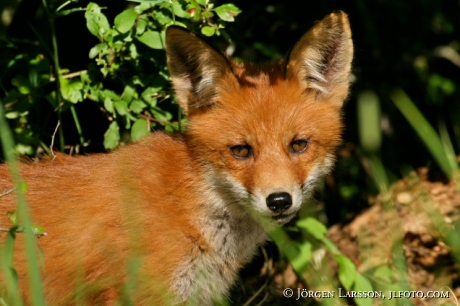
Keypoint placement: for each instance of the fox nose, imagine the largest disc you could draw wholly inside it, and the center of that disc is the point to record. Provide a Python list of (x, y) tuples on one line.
[(279, 202)]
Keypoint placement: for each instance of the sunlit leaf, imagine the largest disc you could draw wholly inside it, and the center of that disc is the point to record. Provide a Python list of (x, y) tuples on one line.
[(137, 106), (112, 136), (227, 12), (153, 39), (139, 129), (121, 107), (125, 21), (71, 90), (96, 21), (208, 31), (303, 257), (313, 227), (362, 284), (347, 271)]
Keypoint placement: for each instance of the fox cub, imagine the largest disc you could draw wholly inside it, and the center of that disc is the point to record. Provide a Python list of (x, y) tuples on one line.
[(170, 219)]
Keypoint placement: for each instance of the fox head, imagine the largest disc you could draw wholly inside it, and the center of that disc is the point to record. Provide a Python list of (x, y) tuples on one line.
[(265, 134)]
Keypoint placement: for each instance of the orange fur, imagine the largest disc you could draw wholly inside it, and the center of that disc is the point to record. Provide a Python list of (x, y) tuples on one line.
[(184, 208)]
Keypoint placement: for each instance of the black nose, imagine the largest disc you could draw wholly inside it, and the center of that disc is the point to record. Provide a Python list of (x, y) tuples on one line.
[(279, 202)]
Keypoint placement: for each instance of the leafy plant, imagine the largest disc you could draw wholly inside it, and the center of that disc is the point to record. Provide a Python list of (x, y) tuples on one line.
[(300, 253), (127, 75)]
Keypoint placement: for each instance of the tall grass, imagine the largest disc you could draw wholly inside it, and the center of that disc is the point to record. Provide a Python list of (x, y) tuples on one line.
[(34, 279)]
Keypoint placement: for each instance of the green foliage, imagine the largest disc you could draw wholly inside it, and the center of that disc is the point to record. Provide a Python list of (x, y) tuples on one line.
[(299, 253), (127, 77)]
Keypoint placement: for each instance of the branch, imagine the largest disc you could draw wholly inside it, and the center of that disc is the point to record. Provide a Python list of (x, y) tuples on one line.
[(52, 140), (6, 192), (70, 75)]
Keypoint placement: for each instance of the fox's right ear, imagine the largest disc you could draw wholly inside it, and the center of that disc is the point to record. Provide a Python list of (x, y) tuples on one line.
[(198, 71), (321, 59)]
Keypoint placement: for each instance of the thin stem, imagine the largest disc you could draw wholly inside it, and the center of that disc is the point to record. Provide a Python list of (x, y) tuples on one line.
[(52, 140), (57, 70), (172, 11), (77, 124), (64, 5)]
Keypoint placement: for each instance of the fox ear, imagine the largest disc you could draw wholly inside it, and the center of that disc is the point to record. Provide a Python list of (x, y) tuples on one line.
[(197, 70), (321, 59)]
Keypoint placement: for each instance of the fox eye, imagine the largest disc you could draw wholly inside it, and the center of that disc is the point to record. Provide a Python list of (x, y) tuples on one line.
[(300, 145), (241, 151)]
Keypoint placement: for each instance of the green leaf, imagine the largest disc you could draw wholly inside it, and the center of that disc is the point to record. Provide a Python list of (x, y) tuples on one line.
[(384, 273), (153, 39), (178, 10), (38, 230), (140, 129), (121, 106), (171, 127), (347, 271), (94, 51), (208, 31), (71, 90), (362, 284), (13, 217), (96, 21), (207, 14), (142, 7), (160, 114), (105, 71), (162, 17), (137, 106), (125, 21), (133, 51), (227, 12), (12, 115), (128, 93), (108, 93), (301, 260), (141, 25), (330, 246), (22, 149), (112, 136), (313, 227), (101, 49), (108, 105), (148, 95), (149, 1)]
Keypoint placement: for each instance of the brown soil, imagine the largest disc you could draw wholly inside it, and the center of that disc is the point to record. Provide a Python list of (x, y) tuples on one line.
[(419, 213)]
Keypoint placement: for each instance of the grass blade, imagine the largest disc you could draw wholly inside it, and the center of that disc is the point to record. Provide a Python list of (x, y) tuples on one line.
[(34, 278), (425, 131)]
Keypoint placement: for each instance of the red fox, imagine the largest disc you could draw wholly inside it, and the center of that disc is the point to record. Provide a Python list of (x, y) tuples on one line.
[(176, 216)]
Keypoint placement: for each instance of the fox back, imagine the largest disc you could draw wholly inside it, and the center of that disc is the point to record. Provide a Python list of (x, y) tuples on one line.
[(176, 216)]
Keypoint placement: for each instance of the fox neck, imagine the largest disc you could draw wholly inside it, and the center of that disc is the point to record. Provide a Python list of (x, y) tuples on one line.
[(233, 237)]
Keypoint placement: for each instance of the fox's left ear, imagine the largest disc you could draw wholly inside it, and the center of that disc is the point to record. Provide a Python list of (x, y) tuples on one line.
[(321, 59)]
